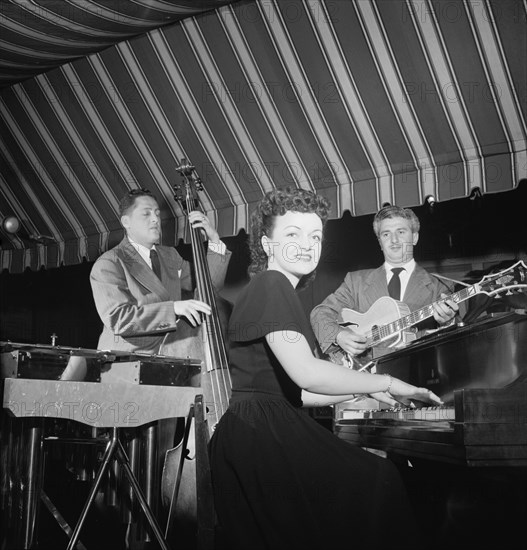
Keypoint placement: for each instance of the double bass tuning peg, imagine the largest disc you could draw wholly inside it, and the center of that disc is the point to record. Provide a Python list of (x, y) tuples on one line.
[(185, 168), (188, 171), (186, 192)]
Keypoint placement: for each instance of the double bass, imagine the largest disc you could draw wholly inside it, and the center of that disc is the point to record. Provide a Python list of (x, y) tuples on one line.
[(178, 481)]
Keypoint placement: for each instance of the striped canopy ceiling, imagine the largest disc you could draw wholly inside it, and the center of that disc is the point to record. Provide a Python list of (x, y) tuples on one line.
[(364, 101)]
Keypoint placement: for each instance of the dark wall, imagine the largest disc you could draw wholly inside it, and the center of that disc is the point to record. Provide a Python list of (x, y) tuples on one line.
[(34, 305)]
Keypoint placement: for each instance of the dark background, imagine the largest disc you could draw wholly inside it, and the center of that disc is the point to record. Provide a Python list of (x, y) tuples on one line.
[(461, 238)]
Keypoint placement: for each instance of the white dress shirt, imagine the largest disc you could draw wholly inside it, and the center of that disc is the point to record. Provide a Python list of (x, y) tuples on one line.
[(404, 275), (144, 252)]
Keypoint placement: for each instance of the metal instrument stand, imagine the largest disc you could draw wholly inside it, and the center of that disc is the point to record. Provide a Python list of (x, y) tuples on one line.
[(115, 451), (206, 515)]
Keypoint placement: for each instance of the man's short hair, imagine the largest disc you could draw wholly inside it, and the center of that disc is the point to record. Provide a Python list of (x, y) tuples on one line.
[(395, 212), (128, 200)]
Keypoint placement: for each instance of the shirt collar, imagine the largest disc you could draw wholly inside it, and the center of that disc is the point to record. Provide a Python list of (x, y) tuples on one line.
[(408, 267), (144, 251)]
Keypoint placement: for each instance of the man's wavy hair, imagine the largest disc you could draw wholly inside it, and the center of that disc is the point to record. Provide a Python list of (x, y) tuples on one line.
[(277, 203), (128, 201), (395, 212)]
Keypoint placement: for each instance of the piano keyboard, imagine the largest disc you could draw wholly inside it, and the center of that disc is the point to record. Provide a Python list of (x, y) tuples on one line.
[(430, 414)]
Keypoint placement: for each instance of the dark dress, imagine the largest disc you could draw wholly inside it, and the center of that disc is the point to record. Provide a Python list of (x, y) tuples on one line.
[(281, 480)]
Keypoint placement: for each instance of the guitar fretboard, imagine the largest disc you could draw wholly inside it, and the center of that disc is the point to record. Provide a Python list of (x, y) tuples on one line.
[(383, 332), (513, 278)]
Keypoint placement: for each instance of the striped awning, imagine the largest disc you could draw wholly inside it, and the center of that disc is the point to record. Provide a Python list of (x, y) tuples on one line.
[(38, 35), (366, 102)]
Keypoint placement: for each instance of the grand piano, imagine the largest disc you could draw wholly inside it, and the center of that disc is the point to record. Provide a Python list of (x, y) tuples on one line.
[(465, 463), (480, 372)]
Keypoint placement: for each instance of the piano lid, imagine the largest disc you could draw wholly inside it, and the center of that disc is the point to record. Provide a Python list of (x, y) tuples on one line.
[(489, 353)]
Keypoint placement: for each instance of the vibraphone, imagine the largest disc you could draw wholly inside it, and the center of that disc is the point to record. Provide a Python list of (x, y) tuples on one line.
[(99, 389)]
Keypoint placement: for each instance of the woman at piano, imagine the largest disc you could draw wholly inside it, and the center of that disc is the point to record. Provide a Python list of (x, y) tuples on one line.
[(281, 480)]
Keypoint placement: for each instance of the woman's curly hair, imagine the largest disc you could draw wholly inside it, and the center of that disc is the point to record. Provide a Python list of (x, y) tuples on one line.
[(277, 203)]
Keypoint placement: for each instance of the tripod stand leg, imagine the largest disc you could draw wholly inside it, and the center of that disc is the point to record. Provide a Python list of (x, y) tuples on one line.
[(140, 496), (177, 481), (108, 455), (205, 500), (64, 525)]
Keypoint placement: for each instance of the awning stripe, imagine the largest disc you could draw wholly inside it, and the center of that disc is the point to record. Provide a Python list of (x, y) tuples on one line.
[(197, 121), (364, 157), (100, 138), (73, 198), (501, 88), (39, 39), (232, 117), (63, 30), (493, 170), (289, 95), (447, 88), (30, 162), (127, 122), (301, 87), (78, 158), (417, 151), (273, 138), (218, 110), (160, 134), (328, 45), (294, 171)]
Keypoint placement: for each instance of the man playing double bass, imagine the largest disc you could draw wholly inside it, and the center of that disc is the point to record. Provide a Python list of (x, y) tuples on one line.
[(137, 287), (139, 309)]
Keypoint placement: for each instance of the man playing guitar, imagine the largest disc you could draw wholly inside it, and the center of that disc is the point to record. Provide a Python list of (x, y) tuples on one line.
[(397, 230)]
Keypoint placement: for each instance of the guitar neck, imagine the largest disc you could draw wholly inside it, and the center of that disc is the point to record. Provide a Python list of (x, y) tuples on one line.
[(512, 278), (381, 333)]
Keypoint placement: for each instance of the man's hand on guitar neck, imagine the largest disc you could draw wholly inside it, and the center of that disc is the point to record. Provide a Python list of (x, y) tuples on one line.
[(445, 310), (351, 342)]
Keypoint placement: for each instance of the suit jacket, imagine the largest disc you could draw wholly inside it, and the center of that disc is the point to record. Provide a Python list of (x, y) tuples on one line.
[(360, 289), (136, 308)]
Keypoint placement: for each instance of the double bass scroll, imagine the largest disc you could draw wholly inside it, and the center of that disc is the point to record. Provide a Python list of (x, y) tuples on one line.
[(208, 343)]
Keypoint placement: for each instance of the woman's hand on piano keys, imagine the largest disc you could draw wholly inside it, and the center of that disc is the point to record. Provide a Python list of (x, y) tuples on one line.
[(385, 397), (407, 393)]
